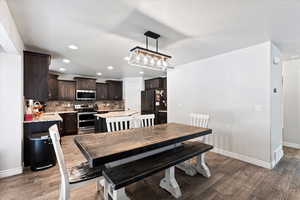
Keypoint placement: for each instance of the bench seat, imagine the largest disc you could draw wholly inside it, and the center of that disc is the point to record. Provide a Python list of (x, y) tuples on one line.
[(83, 173), (126, 174)]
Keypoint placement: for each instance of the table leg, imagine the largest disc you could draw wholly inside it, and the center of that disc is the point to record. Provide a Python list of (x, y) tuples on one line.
[(170, 184), (119, 194), (187, 167), (195, 165), (201, 166)]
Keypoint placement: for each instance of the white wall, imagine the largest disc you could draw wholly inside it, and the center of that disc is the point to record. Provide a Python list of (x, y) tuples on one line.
[(11, 95), (11, 110), (234, 88), (291, 88), (132, 88), (10, 39), (276, 106)]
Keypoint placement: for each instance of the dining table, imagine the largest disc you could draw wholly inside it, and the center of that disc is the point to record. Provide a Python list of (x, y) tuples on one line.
[(116, 148)]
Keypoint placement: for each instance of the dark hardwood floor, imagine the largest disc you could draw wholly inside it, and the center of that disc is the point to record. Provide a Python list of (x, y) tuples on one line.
[(231, 180)]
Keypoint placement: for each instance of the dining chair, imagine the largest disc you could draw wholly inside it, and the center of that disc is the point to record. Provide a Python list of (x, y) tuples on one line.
[(119, 123), (142, 121), (76, 177), (191, 167)]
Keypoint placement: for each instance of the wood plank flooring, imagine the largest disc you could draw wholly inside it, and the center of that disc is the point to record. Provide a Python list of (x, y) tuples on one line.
[(231, 180)]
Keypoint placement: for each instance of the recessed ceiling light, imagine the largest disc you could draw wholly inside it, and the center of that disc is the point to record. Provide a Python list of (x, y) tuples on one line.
[(110, 67), (62, 69), (66, 61), (99, 73), (73, 47), (126, 58), (141, 72)]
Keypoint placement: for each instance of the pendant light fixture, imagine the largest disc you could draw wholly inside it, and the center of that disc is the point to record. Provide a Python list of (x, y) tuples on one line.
[(146, 58)]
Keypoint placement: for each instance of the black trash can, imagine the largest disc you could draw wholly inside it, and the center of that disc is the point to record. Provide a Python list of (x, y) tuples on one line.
[(41, 151)]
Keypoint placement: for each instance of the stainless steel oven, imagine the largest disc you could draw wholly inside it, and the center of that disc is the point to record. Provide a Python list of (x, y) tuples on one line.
[(85, 117), (86, 120), (85, 95)]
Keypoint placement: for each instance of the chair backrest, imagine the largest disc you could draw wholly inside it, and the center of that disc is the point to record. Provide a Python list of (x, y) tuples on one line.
[(54, 134), (144, 120), (200, 120), (119, 123)]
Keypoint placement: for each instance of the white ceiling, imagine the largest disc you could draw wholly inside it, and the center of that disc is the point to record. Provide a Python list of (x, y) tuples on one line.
[(105, 30)]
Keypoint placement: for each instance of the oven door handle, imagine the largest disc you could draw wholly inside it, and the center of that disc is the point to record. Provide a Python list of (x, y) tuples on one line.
[(87, 113)]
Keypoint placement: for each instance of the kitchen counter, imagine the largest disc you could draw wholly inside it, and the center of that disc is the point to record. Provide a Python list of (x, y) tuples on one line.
[(107, 110), (62, 112), (117, 114), (46, 117)]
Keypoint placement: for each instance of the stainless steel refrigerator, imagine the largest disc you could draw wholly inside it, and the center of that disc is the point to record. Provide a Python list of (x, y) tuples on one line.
[(155, 102)]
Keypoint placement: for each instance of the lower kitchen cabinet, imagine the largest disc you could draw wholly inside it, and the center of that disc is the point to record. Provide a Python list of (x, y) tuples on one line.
[(69, 124), (31, 130)]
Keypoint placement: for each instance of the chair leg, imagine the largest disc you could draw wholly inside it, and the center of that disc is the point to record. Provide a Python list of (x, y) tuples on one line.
[(64, 193), (170, 184), (98, 185)]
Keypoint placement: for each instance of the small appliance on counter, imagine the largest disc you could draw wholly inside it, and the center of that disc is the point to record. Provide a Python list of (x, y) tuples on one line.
[(33, 110), (42, 155)]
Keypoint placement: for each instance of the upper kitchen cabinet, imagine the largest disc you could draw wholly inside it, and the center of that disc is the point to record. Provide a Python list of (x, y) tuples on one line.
[(52, 87), (101, 91), (36, 68), (66, 90), (85, 83), (156, 83), (115, 90)]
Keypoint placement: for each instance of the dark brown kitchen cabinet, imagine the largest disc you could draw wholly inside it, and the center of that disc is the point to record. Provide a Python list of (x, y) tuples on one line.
[(115, 90), (66, 90), (101, 91), (156, 83), (52, 87), (85, 83), (36, 68), (69, 124)]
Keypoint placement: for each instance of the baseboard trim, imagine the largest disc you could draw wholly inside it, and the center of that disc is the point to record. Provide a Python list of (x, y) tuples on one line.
[(244, 158), (278, 155), (11, 172), (292, 145)]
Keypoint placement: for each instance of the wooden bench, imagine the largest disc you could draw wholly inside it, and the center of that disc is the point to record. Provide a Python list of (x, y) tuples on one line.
[(116, 178)]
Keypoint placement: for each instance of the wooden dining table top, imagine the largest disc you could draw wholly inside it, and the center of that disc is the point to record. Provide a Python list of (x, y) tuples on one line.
[(102, 148)]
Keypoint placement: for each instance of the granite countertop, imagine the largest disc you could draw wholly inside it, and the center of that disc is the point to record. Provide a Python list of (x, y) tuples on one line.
[(117, 114), (62, 112), (46, 117), (110, 110)]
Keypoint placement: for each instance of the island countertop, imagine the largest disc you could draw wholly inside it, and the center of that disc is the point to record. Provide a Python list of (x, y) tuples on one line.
[(117, 114), (46, 117)]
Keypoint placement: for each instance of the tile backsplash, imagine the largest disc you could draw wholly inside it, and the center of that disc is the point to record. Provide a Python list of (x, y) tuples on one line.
[(56, 106)]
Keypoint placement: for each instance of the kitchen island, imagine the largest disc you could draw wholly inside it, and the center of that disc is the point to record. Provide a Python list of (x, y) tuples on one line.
[(100, 119)]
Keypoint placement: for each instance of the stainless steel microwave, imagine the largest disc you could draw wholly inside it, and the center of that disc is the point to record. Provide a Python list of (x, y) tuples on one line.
[(85, 95)]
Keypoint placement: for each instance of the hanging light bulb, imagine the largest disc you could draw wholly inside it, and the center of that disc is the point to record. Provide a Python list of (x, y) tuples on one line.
[(164, 63), (152, 61), (145, 60), (158, 63), (138, 58)]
